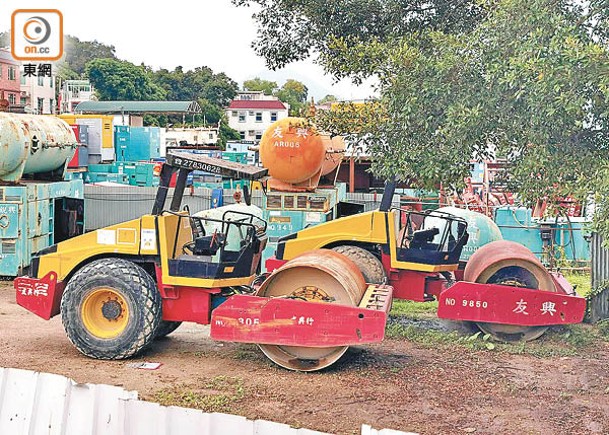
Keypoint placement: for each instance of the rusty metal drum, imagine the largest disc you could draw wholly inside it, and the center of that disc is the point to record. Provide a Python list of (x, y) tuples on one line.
[(320, 276), (509, 263)]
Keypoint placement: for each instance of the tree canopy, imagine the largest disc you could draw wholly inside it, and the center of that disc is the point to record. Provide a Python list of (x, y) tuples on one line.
[(257, 84), (527, 81), (121, 80), (292, 92)]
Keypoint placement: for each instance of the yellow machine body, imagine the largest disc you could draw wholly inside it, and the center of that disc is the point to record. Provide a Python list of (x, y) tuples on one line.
[(373, 227), (149, 236)]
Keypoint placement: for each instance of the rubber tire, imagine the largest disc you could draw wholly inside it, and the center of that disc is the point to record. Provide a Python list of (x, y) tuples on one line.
[(139, 291), (370, 266), (166, 327)]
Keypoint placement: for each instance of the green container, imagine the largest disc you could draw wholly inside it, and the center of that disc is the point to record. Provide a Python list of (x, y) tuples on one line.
[(481, 229)]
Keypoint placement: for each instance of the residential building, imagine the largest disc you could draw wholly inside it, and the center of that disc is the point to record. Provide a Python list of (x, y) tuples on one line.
[(72, 93), (251, 113), (38, 94), (10, 76), (192, 136)]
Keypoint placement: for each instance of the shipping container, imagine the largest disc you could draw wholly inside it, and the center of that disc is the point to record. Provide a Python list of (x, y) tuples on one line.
[(100, 135)]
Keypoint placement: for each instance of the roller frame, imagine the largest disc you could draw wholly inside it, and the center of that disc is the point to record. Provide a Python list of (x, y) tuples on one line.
[(492, 303), (291, 322), (501, 300)]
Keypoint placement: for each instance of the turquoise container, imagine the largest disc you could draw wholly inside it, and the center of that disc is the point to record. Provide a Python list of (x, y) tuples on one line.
[(516, 224), (29, 220), (569, 238), (137, 143)]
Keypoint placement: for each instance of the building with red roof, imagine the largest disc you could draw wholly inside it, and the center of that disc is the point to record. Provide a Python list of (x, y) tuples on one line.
[(251, 113)]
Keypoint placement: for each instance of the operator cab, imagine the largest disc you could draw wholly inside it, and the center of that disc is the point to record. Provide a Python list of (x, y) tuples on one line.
[(229, 247), (430, 237), (225, 247)]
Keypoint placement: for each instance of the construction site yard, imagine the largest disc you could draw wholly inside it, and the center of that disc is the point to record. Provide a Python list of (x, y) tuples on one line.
[(426, 380)]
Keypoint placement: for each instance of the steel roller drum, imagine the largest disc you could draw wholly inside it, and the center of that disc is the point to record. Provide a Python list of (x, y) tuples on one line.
[(512, 264), (320, 276)]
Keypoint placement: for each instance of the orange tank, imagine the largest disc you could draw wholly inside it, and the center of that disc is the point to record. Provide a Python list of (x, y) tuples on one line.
[(292, 150)]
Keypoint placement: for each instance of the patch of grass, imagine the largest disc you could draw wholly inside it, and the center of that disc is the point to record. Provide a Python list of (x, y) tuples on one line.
[(249, 353), (556, 342), (215, 395), (413, 309), (581, 281)]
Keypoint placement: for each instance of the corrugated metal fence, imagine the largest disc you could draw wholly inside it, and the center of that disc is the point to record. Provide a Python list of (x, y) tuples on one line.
[(599, 256), (111, 205), (35, 403)]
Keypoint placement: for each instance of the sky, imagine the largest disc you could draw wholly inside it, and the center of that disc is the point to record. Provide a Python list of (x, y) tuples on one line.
[(166, 34)]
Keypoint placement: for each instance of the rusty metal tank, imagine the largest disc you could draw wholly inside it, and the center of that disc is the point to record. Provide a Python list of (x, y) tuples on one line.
[(292, 150), (33, 144)]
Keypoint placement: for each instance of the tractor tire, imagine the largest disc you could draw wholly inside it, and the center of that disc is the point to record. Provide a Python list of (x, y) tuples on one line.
[(166, 327), (370, 266), (111, 309)]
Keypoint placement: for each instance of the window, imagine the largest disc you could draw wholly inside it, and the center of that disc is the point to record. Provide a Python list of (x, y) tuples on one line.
[(0, 71), (51, 105), (273, 116), (251, 113), (40, 81), (23, 101), (22, 79), (242, 135), (12, 99), (50, 82), (234, 113), (11, 73), (241, 116), (211, 136), (40, 105), (258, 135), (258, 116)]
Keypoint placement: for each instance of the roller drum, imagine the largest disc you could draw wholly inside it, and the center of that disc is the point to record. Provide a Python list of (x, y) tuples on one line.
[(509, 263), (321, 276)]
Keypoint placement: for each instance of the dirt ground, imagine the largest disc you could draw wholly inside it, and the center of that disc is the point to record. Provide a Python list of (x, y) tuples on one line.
[(396, 384)]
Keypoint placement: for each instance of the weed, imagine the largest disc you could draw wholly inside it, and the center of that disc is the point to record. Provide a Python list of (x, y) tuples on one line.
[(603, 328), (216, 395), (581, 281), (556, 342), (414, 309)]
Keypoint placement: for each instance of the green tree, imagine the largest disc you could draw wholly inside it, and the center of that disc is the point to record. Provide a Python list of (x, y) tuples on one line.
[(258, 84), (328, 99), (122, 80), (524, 80), (294, 93), (195, 84), (77, 53), (292, 30)]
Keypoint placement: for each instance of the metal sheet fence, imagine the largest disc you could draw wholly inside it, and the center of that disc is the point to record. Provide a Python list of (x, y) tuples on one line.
[(599, 303), (111, 205), (45, 403)]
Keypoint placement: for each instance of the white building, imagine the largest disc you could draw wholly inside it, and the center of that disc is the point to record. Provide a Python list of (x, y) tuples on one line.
[(192, 136), (251, 113), (74, 92), (38, 94)]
